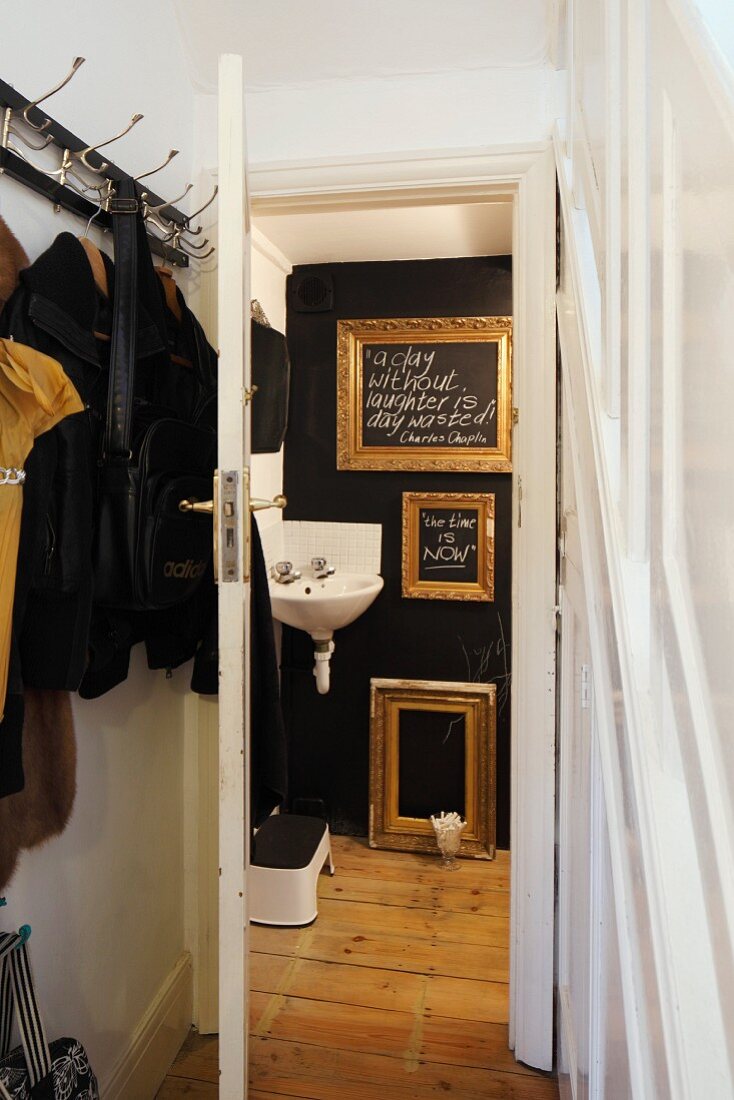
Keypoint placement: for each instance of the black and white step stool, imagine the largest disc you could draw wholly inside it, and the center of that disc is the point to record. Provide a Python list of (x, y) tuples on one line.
[(287, 856)]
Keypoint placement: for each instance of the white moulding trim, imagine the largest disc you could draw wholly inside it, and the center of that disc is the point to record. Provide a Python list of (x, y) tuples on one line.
[(270, 251), (138, 1072), (402, 172)]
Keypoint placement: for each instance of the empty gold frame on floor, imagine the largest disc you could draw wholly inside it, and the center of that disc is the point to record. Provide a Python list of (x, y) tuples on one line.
[(432, 748), (425, 393), (448, 546)]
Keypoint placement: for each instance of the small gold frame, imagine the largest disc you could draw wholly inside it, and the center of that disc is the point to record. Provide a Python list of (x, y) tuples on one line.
[(479, 588), (478, 704), (354, 454)]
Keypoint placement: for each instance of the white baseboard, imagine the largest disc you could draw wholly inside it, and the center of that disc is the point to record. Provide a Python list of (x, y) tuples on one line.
[(141, 1067)]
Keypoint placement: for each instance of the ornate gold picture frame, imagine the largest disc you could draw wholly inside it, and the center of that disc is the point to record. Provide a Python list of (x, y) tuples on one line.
[(449, 731), (448, 546), (425, 393)]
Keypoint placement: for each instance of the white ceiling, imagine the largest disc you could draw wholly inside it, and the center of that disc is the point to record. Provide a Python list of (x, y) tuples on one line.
[(287, 42), (393, 233)]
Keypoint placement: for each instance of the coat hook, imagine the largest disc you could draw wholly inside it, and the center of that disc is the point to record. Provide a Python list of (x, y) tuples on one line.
[(173, 153), (201, 209), (175, 243), (84, 153), (193, 256), (192, 232), (76, 63), (147, 208), (9, 129), (203, 244), (166, 228)]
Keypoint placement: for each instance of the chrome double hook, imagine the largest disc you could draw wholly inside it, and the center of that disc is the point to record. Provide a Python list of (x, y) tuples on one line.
[(76, 64), (82, 154), (171, 154), (175, 242), (190, 217), (24, 116), (148, 209)]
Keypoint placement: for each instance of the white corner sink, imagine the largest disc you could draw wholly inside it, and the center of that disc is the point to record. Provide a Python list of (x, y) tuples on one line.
[(322, 606)]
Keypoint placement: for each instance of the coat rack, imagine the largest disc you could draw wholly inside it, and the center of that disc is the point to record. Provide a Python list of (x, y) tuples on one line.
[(83, 180)]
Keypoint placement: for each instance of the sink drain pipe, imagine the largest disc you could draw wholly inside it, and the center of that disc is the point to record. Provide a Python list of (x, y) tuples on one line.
[(322, 656)]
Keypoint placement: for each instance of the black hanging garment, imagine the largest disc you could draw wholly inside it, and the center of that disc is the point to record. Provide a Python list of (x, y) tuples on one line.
[(269, 758), (148, 555), (268, 738), (271, 373), (153, 572)]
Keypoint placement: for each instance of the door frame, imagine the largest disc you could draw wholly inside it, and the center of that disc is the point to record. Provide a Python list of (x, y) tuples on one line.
[(527, 174), (232, 486)]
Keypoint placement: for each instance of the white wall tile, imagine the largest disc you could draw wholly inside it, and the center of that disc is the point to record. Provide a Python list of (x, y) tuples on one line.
[(349, 547)]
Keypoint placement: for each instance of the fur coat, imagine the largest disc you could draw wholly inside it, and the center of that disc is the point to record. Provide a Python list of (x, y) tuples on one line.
[(43, 808), (12, 261)]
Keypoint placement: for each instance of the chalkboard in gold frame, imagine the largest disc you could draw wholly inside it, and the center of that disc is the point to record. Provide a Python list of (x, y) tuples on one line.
[(432, 748), (448, 546), (425, 394)]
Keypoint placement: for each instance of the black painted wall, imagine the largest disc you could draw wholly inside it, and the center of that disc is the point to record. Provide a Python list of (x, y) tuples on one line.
[(416, 639)]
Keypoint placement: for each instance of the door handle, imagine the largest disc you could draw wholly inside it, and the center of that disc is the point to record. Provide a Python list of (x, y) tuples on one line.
[(278, 501), (206, 506), (209, 508)]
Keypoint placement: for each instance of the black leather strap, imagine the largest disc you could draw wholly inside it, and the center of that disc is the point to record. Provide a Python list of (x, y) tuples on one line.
[(125, 217)]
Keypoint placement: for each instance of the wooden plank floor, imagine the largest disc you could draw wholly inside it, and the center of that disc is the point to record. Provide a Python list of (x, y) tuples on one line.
[(398, 991)]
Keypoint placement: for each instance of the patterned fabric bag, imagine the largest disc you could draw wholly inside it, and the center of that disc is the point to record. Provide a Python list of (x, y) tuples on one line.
[(35, 1070)]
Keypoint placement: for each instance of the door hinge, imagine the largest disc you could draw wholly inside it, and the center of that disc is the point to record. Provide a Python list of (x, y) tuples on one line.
[(585, 687), (515, 415), (519, 502)]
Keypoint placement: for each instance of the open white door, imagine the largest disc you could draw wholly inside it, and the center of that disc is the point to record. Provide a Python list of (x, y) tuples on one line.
[(232, 526)]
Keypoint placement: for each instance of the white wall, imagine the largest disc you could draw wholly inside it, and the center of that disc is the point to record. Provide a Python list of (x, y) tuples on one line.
[(373, 118), (455, 110), (646, 163), (106, 899)]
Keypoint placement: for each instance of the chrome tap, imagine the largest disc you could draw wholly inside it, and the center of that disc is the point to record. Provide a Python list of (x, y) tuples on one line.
[(285, 573), (321, 569)]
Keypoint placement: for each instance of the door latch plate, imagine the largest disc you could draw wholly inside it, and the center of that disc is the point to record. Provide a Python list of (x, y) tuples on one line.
[(228, 541)]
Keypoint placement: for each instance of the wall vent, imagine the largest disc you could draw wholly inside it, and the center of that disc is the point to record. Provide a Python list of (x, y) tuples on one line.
[(311, 293)]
